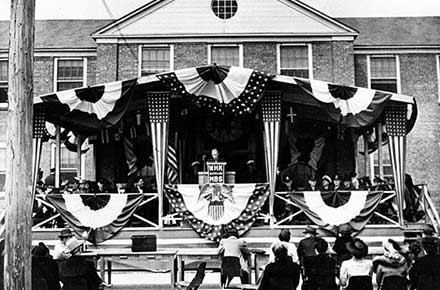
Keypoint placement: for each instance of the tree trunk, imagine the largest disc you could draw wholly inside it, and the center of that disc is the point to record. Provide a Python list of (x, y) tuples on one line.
[(19, 147)]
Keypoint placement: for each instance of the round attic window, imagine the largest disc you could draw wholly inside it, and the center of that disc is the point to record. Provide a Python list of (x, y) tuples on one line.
[(224, 9)]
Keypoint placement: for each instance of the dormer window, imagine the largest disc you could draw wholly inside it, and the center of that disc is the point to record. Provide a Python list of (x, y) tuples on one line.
[(224, 9)]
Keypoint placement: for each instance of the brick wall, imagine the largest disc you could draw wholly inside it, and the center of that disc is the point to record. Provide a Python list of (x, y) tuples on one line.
[(128, 61), (333, 62), (260, 56), (419, 79), (106, 63), (190, 55)]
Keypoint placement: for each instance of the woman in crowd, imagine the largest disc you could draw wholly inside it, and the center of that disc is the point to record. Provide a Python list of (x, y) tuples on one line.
[(283, 274), (235, 255), (356, 273), (78, 273), (44, 269), (391, 268), (284, 239)]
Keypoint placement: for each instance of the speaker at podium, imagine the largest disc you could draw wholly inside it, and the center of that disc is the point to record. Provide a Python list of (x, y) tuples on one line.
[(216, 174)]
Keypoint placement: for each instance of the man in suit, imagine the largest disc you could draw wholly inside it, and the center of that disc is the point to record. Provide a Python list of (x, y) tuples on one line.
[(425, 273), (215, 156), (319, 270), (306, 246)]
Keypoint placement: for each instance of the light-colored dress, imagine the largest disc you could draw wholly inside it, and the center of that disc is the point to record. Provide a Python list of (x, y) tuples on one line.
[(355, 267)]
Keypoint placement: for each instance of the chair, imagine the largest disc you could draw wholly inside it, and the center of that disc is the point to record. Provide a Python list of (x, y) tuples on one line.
[(360, 283), (393, 283), (196, 281)]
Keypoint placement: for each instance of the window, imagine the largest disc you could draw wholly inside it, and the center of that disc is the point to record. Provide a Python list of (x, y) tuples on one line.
[(3, 82), (224, 9), (70, 73), (68, 162), (155, 60), (383, 72), (386, 164), (226, 55), (294, 60)]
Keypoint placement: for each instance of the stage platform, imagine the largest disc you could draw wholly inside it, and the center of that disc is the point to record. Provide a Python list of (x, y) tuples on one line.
[(258, 237)]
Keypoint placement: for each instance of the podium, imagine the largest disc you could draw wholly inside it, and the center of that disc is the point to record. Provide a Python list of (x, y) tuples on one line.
[(216, 174), (229, 177)]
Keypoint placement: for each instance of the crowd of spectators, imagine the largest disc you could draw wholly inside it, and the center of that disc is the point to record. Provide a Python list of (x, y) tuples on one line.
[(347, 265)]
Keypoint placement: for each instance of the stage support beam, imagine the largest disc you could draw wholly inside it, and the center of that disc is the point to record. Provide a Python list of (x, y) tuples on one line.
[(379, 129), (57, 156), (395, 120), (271, 111), (18, 221)]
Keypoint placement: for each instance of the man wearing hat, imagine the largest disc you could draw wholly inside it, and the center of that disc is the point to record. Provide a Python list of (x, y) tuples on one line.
[(306, 246), (312, 184), (326, 183), (77, 272), (60, 251), (425, 272), (337, 182)]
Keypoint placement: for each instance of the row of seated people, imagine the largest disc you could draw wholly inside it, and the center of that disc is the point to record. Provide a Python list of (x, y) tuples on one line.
[(326, 183), (352, 268)]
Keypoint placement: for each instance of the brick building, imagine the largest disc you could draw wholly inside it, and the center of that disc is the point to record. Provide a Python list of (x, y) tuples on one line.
[(277, 36)]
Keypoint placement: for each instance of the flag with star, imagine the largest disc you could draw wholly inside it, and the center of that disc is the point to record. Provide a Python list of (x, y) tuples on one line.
[(220, 89), (216, 207)]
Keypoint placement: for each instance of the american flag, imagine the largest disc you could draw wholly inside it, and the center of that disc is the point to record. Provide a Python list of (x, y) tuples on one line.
[(271, 111), (158, 110), (39, 124)]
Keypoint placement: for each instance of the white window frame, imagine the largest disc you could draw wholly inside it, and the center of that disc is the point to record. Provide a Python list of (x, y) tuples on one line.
[(142, 46), (3, 146), (399, 90), (65, 169), (5, 104), (55, 70), (437, 58), (240, 51), (310, 56)]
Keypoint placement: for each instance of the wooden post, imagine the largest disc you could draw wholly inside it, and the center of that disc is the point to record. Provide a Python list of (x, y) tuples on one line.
[(57, 156), (379, 148), (18, 221), (366, 155), (79, 156)]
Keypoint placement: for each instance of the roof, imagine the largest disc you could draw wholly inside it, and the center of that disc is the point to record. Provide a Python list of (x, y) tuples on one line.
[(395, 31), (182, 18), (73, 33), (374, 31)]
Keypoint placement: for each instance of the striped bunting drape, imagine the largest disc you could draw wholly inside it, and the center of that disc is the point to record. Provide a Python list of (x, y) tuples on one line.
[(271, 111), (220, 89), (209, 217), (101, 216), (330, 209), (172, 166)]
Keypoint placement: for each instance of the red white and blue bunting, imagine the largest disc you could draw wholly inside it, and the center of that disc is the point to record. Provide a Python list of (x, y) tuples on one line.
[(101, 215), (330, 209), (219, 89), (226, 90), (216, 207)]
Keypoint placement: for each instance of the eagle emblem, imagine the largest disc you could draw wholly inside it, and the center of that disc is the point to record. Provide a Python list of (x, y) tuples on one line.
[(216, 194)]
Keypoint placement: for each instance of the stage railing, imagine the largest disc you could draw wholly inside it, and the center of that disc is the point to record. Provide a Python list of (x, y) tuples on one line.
[(424, 200), (286, 213), (291, 214)]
